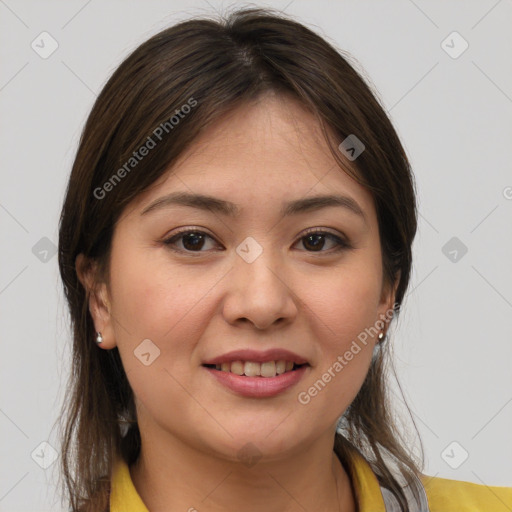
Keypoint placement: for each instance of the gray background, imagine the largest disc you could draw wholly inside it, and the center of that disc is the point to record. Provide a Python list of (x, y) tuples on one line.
[(453, 344)]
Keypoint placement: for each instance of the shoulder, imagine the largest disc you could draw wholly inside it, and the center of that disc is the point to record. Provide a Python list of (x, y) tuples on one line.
[(446, 495)]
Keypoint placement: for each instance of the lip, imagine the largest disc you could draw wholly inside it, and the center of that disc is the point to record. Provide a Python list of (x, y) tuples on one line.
[(274, 354), (258, 387)]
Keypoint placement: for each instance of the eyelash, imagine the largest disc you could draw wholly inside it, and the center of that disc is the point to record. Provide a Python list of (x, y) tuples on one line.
[(341, 244)]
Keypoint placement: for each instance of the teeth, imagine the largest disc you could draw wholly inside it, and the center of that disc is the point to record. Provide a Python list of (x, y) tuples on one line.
[(268, 369), (253, 369), (280, 367), (237, 367)]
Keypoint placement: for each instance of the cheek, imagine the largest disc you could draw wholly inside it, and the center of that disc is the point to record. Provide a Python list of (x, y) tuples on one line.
[(346, 302), (343, 311), (153, 301), (151, 298)]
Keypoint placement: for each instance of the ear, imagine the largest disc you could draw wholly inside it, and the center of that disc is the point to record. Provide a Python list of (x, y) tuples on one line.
[(98, 297), (387, 301)]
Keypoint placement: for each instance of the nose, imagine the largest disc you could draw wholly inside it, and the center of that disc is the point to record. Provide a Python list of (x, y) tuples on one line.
[(259, 293)]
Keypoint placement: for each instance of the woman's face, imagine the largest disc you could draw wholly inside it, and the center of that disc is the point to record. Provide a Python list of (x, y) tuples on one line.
[(249, 275)]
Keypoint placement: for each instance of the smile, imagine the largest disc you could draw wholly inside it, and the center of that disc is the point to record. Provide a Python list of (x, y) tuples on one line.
[(257, 386), (267, 369)]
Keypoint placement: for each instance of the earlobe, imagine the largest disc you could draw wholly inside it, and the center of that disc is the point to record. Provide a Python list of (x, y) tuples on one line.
[(388, 293), (98, 301), (387, 305)]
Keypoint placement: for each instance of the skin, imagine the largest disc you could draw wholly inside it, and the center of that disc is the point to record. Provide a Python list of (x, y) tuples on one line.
[(197, 305)]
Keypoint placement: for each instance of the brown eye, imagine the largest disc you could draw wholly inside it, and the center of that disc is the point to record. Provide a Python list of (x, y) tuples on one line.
[(191, 241), (316, 241)]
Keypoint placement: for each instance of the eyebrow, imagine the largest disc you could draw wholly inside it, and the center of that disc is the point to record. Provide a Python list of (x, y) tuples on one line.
[(213, 204)]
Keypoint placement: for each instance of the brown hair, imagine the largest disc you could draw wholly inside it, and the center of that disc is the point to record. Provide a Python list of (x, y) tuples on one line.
[(213, 67)]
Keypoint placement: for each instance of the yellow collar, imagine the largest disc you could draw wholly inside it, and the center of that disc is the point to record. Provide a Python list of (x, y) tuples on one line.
[(124, 496)]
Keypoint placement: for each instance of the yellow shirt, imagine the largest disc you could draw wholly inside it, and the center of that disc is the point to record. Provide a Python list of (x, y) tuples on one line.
[(443, 495)]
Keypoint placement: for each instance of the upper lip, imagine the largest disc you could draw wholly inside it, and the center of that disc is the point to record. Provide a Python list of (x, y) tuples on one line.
[(257, 356)]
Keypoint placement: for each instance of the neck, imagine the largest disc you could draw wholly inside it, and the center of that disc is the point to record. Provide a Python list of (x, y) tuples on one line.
[(170, 475)]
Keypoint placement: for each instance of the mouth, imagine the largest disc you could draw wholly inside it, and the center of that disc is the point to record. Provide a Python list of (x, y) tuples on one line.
[(253, 379), (267, 369)]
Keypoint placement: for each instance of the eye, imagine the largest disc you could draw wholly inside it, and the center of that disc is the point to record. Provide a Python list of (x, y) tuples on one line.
[(315, 240), (189, 240), (194, 240)]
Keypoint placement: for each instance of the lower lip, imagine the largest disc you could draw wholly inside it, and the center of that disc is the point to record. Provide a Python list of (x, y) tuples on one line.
[(258, 387)]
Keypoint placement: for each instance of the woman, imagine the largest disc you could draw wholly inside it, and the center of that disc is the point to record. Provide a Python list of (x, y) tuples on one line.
[(234, 243)]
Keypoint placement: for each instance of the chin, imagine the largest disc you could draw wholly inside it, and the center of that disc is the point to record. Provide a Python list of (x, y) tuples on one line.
[(259, 443)]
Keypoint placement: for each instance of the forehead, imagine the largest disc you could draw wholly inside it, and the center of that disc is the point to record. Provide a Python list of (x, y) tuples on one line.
[(271, 151)]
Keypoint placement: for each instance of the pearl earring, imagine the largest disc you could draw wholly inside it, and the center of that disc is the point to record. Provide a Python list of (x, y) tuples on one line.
[(99, 338), (381, 336)]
